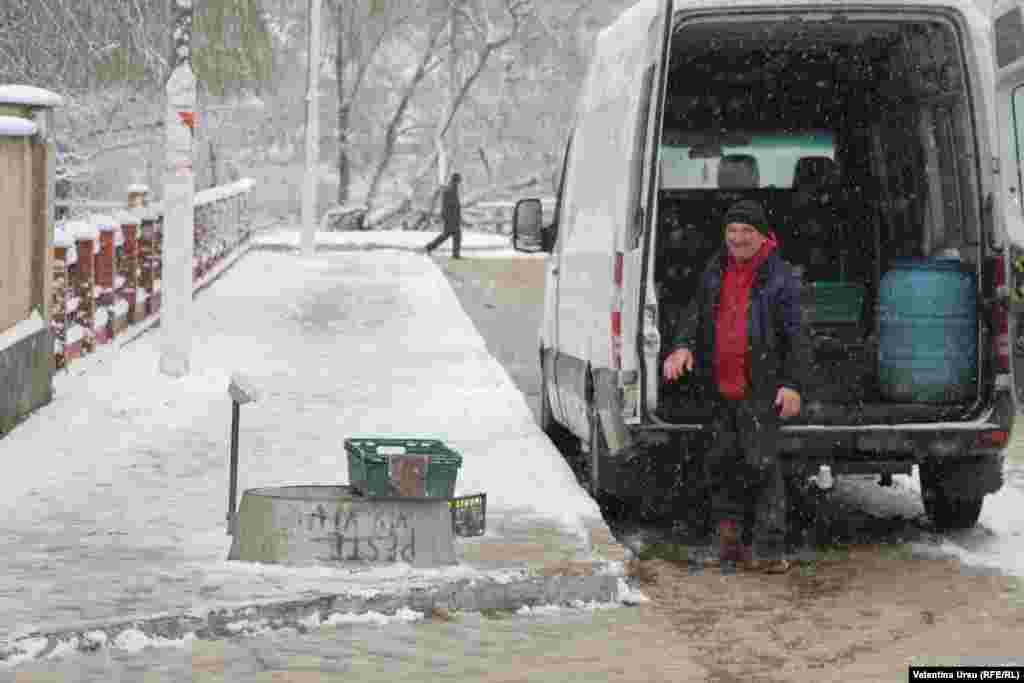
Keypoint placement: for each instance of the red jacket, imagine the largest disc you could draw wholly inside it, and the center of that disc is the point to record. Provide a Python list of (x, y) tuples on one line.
[(731, 333)]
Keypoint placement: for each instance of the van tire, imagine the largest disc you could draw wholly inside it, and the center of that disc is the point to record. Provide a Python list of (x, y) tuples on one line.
[(949, 514), (615, 509), (947, 508)]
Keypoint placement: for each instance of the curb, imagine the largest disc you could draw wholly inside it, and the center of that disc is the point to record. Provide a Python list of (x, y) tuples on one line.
[(469, 595)]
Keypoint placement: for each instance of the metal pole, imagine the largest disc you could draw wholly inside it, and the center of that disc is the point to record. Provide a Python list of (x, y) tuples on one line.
[(453, 91), (312, 133), (233, 485)]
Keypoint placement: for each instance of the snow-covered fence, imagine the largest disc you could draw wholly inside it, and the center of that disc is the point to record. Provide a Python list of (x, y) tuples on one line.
[(496, 217), (106, 269)]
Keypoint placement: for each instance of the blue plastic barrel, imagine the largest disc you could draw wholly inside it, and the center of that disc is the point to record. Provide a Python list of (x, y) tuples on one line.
[(928, 332)]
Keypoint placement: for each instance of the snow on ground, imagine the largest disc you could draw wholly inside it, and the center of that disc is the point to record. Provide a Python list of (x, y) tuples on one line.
[(122, 480), (997, 541)]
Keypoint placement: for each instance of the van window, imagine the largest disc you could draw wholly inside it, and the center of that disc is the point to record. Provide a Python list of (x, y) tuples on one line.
[(743, 161)]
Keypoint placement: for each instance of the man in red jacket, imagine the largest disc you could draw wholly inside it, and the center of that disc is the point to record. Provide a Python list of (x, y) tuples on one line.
[(744, 340)]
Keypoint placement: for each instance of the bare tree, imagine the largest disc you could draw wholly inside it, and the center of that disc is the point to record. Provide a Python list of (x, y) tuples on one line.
[(488, 36), (427, 62), (359, 35)]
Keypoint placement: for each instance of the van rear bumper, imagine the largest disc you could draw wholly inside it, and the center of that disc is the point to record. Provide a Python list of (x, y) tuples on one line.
[(863, 442)]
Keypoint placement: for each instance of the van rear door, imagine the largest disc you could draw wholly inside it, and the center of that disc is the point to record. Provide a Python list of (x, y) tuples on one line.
[(641, 338), (600, 226), (1008, 43)]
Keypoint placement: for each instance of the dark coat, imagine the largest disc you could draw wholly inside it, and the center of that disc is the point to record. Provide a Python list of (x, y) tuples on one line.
[(779, 347), (451, 209)]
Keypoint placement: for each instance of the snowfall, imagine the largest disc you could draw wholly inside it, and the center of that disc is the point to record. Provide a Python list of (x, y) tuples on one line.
[(116, 492), (119, 499)]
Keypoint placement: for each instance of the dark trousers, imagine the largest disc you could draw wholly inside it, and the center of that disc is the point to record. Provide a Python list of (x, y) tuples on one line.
[(742, 478), (455, 234)]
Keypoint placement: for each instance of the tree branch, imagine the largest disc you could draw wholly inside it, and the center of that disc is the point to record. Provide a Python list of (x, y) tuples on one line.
[(391, 130)]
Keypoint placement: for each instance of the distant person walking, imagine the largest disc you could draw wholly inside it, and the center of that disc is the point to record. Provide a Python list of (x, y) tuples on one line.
[(451, 215)]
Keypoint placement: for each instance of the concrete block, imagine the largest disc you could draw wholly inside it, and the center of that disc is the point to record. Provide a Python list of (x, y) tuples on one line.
[(26, 377), (331, 525)]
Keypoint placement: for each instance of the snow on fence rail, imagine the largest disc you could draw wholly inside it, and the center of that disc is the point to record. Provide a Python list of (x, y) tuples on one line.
[(496, 216), (106, 268)]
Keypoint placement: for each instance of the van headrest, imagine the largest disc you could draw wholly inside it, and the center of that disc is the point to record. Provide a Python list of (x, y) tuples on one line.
[(738, 172), (813, 172)]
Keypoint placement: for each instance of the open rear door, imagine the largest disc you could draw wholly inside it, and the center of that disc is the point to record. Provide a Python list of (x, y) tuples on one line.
[(602, 225), (1008, 41), (644, 392)]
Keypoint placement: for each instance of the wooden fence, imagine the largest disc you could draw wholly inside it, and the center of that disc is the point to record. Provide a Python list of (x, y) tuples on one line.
[(106, 269)]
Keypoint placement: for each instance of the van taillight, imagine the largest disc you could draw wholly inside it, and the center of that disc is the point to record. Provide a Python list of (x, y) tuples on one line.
[(617, 340), (994, 439), (617, 313), (1001, 319)]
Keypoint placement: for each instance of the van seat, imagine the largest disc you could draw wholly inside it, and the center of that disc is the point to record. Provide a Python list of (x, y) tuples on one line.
[(738, 172), (813, 173)]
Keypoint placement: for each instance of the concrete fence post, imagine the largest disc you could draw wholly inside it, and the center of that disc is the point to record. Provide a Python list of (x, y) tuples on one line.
[(158, 266), (85, 290), (58, 313), (106, 265), (148, 263), (129, 264)]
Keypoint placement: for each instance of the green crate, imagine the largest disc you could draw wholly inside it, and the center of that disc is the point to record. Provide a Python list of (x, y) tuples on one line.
[(402, 467), (836, 303)]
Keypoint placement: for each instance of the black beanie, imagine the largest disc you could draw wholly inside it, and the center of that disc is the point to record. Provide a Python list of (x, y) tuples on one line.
[(748, 211)]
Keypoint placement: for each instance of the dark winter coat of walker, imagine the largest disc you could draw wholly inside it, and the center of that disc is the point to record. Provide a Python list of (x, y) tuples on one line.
[(744, 341), (451, 215)]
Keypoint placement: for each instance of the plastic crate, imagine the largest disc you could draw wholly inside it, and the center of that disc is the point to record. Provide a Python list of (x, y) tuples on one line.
[(411, 468), (834, 303)]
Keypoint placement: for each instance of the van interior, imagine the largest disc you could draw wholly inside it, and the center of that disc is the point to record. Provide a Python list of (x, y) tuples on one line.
[(858, 138)]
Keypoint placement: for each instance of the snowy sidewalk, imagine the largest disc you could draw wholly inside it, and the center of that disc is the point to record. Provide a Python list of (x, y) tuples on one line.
[(115, 494)]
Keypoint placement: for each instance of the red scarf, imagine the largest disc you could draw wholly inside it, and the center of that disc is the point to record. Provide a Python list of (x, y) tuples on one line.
[(732, 325)]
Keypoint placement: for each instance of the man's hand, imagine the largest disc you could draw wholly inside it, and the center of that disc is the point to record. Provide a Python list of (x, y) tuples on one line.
[(678, 362), (788, 402)]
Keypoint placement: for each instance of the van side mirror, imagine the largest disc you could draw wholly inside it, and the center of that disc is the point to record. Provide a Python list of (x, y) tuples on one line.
[(527, 226)]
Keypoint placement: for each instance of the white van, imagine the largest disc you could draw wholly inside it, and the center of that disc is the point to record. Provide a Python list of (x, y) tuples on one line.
[(882, 138)]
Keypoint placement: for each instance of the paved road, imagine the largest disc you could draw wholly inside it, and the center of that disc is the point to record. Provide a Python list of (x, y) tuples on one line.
[(505, 300), (571, 644)]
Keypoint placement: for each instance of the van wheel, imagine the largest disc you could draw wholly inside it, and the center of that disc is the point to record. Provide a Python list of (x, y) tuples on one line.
[(614, 508), (947, 512)]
